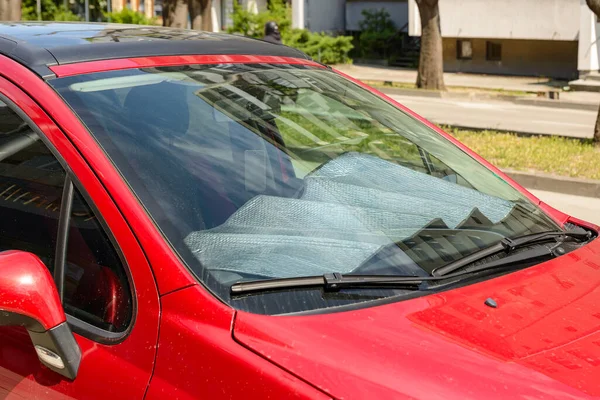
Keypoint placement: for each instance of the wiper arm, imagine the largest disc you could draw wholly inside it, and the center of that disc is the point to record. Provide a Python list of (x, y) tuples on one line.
[(329, 282), (508, 245), (335, 281)]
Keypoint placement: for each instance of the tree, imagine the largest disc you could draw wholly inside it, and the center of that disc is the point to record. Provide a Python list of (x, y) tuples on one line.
[(175, 13), (10, 10), (594, 5), (431, 68), (127, 16), (52, 10), (200, 14)]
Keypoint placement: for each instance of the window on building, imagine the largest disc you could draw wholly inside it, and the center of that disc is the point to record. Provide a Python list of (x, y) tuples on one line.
[(464, 49), (493, 51), (32, 180)]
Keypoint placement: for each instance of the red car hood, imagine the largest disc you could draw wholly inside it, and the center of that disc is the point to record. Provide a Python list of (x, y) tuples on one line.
[(541, 342)]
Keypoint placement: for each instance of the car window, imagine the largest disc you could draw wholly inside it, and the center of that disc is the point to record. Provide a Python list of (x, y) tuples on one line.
[(31, 187)]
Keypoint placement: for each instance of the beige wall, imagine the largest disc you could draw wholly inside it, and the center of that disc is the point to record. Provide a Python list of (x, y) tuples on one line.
[(505, 19), (519, 57)]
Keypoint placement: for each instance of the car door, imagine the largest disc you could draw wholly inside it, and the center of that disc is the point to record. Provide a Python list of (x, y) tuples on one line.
[(104, 279)]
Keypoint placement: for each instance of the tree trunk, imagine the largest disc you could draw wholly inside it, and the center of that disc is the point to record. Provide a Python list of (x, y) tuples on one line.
[(594, 5), (200, 14), (207, 15), (10, 10), (597, 129), (195, 8), (175, 13), (431, 68)]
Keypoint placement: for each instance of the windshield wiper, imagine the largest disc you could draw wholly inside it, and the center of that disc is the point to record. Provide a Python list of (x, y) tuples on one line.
[(509, 245), (330, 282), (336, 281)]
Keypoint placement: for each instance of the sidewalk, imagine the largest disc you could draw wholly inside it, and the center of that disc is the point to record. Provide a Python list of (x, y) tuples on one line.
[(459, 81)]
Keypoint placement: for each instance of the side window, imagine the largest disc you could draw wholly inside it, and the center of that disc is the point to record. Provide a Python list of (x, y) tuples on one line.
[(31, 185), (96, 288), (32, 180)]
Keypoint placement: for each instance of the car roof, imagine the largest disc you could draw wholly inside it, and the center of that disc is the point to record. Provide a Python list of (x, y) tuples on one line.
[(38, 45)]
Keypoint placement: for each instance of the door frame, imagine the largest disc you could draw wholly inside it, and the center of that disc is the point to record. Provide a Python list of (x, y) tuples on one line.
[(137, 346)]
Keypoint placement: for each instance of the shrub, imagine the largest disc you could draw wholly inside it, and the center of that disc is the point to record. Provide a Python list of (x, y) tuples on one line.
[(50, 11), (377, 28), (250, 24), (320, 46), (127, 16)]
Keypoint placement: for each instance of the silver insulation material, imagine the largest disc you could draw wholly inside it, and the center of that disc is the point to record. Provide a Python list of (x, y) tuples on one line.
[(350, 208)]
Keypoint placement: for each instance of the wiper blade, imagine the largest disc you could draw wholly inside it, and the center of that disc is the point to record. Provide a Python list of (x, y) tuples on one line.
[(336, 281), (508, 245), (329, 282)]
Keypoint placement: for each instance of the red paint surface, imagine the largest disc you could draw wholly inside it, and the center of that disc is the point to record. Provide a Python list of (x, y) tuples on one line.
[(27, 288), (197, 358), (166, 61), (107, 371), (542, 342)]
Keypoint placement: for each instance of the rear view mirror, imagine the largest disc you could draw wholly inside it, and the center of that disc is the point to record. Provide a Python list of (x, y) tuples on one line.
[(28, 297)]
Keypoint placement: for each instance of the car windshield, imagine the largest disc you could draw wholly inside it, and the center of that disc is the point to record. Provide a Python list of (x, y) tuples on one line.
[(274, 171)]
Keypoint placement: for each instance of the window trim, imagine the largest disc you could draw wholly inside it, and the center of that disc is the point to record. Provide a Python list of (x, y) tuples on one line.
[(489, 46), (62, 239), (78, 326), (459, 55)]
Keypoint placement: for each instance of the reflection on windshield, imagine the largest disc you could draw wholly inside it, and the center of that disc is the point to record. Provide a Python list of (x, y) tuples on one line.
[(258, 171)]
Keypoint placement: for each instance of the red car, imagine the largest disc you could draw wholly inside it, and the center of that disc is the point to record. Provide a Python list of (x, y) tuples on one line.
[(190, 215)]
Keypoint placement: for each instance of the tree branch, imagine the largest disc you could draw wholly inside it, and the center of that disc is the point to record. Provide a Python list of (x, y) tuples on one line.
[(432, 3), (594, 5)]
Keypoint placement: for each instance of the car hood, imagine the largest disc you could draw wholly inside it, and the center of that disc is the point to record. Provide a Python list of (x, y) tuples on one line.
[(541, 342)]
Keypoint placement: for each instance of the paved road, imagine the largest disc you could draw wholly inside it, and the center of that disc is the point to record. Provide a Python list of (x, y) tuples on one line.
[(586, 208), (503, 116)]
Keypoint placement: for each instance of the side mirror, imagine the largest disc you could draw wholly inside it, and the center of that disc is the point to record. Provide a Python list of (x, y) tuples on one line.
[(28, 297)]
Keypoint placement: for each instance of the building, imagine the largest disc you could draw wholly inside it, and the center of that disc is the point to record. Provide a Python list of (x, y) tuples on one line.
[(514, 37), (221, 10), (344, 15)]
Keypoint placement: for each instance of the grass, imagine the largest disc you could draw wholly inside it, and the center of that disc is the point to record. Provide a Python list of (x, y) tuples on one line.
[(549, 154)]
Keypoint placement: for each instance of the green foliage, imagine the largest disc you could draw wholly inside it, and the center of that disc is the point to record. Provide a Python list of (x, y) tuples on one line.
[(51, 11), (377, 30), (320, 46), (249, 24), (127, 16)]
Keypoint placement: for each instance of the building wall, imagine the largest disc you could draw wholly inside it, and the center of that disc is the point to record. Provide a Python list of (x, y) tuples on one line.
[(398, 10), (324, 15), (505, 19), (589, 35), (557, 59)]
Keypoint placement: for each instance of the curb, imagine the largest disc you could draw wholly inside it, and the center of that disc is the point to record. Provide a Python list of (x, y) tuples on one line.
[(555, 103), (532, 101), (557, 184)]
